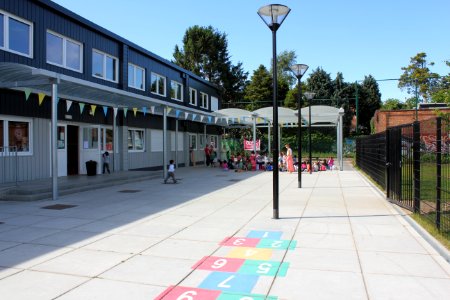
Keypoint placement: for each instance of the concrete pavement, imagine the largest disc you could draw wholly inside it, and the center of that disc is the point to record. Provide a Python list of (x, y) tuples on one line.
[(212, 237)]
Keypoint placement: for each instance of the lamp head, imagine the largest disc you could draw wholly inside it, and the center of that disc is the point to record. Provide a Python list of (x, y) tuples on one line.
[(299, 70), (273, 15), (309, 95)]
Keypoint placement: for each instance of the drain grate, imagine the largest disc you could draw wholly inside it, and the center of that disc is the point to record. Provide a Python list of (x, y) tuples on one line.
[(235, 180), (129, 191), (59, 206)]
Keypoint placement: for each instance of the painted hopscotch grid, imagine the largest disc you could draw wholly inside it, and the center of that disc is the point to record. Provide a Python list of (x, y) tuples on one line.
[(234, 276)]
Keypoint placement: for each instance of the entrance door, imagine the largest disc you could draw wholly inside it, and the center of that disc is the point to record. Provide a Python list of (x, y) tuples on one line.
[(90, 148), (72, 150), (62, 150)]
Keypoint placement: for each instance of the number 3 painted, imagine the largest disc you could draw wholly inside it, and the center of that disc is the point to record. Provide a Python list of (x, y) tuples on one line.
[(239, 242), (187, 295)]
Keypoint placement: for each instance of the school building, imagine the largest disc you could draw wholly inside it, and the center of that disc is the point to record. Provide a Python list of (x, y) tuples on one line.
[(71, 90)]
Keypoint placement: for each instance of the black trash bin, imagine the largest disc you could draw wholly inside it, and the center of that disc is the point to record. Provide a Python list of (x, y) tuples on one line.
[(91, 168)]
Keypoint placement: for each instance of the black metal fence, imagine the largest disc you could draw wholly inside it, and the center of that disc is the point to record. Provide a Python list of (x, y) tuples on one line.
[(412, 164)]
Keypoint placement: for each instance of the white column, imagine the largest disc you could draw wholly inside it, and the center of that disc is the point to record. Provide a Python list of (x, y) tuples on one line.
[(54, 150), (268, 138), (114, 142), (176, 143), (254, 134), (165, 142), (341, 133)]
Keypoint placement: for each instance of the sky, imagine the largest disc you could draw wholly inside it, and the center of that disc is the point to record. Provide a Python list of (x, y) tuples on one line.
[(354, 37)]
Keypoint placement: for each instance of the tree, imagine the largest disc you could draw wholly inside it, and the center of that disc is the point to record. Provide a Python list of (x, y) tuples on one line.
[(284, 61), (392, 104), (369, 102), (320, 83), (259, 90), (418, 76), (291, 99), (205, 53), (442, 93)]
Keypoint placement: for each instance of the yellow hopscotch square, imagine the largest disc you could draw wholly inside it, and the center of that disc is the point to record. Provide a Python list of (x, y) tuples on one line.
[(250, 253)]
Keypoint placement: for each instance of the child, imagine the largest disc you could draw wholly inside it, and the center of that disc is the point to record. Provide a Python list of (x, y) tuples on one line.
[(106, 161), (171, 172)]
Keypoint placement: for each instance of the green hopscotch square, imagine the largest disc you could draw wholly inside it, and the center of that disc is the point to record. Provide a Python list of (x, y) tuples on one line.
[(277, 244), (231, 296), (264, 268)]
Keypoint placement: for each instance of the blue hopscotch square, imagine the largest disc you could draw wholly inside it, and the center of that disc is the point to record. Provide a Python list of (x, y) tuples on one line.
[(260, 234), (230, 282)]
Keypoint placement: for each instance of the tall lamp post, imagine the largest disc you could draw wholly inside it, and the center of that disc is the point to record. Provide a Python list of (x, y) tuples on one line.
[(299, 70), (273, 15), (309, 96)]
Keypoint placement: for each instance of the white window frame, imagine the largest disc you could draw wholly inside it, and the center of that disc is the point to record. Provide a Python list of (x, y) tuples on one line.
[(192, 101), (6, 17), (132, 136), (193, 136), (135, 69), (64, 54), (6, 120), (105, 55), (173, 82), (158, 77), (204, 100)]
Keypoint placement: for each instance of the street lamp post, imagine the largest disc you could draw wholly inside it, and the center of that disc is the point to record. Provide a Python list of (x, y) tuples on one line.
[(299, 70), (273, 15), (309, 96)]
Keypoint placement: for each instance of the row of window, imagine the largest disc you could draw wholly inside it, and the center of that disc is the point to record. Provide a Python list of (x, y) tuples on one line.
[(16, 36)]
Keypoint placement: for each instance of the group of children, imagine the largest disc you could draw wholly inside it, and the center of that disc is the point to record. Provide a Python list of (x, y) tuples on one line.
[(324, 165)]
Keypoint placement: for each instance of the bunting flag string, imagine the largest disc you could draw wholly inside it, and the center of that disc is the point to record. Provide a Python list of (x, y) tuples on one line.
[(93, 108), (134, 111), (169, 109), (186, 115), (27, 93), (115, 109), (81, 107), (68, 105), (201, 118), (194, 116), (216, 119), (125, 110), (144, 110), (209, 119), (152, 109), (177, 113), (41, 97), (105, 110)]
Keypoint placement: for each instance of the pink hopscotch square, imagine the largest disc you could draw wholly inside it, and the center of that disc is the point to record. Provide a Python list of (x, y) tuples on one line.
[(181, 292), (240, 242), (220, 264)]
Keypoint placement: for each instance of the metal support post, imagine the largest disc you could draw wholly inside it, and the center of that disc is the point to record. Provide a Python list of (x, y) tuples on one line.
[(54, 150)]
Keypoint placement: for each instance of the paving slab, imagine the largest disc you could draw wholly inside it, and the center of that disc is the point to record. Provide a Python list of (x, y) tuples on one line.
[(336, 238)]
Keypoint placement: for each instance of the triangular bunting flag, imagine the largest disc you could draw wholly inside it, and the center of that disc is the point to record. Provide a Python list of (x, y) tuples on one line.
[(177, 113), (135, 111), (41, 97), (216, 119), (93, 108), (115, 109), (186, 115), (169, 109), (68, 105), (125, 110), (209, 119), (144, 110), (27, 93), (152, 109), (238, 120), (81, 107), (201, 118), (105, 110), (194, 116)]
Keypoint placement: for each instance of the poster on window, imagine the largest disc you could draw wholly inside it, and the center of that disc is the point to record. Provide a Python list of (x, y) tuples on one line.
[(248, 145)]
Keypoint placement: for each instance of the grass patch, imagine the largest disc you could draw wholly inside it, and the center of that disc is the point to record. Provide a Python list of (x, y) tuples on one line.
[(442, 237)]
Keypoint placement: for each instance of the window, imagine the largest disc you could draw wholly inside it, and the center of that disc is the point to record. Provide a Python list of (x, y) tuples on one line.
[(136, 77), (104, 66), (15, 135), (135, 140), (192, 142), (214, 103), (192, 96), (204, 100), (64, 52), (158, 85), (61, 137), (90, 138), (106, 139), (16, 35), (176, 90)]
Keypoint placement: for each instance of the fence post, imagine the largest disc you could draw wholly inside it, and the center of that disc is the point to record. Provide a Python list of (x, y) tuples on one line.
[(438, 171), (416, 165), (388, 162)]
